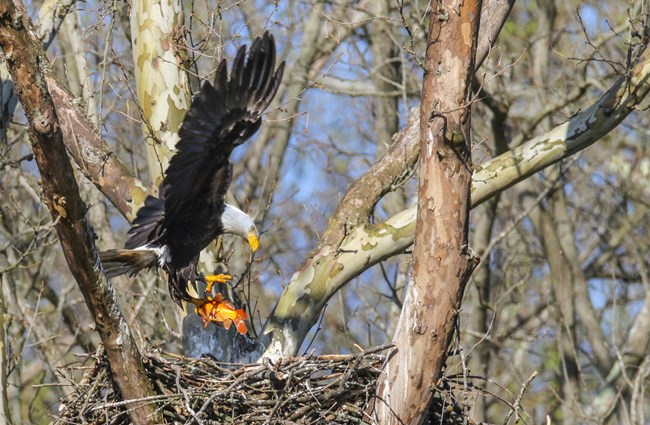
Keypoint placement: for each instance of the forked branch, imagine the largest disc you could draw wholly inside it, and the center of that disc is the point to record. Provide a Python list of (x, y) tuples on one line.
[(26, 60)]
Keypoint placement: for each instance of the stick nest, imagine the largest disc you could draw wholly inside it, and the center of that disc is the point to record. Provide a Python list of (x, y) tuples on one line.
[(326, 389)]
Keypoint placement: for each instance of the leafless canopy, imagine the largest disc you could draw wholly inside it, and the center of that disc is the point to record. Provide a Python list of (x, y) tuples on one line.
[(553, 324)]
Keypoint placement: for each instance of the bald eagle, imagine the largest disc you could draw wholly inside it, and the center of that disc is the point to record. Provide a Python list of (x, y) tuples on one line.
[(170, 230)]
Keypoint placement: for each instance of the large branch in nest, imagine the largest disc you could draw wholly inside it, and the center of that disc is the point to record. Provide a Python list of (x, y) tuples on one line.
[(26, 60)]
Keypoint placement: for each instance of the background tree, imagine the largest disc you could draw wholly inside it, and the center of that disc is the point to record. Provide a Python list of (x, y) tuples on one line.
[(562, 286)]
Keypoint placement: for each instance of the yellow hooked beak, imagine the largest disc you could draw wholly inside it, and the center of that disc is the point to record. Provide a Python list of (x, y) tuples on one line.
[(253, 241)]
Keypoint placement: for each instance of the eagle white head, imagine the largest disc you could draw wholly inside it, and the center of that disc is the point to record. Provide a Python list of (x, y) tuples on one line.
[(237, 222)]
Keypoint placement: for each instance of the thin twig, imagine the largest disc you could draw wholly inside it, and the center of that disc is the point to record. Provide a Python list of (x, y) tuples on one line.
[(517, 403)]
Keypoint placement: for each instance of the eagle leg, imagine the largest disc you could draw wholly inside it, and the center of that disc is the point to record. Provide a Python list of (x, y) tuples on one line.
[(211, 279)]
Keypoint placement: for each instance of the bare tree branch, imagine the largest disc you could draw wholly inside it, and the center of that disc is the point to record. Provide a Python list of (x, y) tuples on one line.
[(373, 243), (98, 163), (5, 319), (25, 57), (578, 133), (494, 14), (52, 13)]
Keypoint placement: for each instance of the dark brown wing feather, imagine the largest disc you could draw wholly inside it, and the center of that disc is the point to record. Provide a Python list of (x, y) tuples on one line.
[(147, 226), (221, 117), (185, 215)]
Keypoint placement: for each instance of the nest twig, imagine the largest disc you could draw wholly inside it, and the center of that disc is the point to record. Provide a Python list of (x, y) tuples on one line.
[(326, 389)]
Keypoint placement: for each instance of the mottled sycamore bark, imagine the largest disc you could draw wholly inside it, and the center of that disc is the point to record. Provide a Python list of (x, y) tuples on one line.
[(442, 260), (308, 290), (161, 81), (564, 140), (163, 93), (25, 58), (349, 247), (350, 244)]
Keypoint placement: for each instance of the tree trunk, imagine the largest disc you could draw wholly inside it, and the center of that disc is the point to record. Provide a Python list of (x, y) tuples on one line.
[(442, 261), (161, 80), (26, 59)]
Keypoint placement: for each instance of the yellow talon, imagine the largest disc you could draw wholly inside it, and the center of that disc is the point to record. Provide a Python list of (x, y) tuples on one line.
[(210, 280)]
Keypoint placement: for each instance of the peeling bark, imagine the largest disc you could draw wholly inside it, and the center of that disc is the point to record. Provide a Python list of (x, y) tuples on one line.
[(25, 57), (442, 260), (98, 163), (488, 179), (161, 80)]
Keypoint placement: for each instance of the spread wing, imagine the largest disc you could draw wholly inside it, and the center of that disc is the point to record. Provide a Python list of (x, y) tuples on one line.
[(222, 116), (146, 226)]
